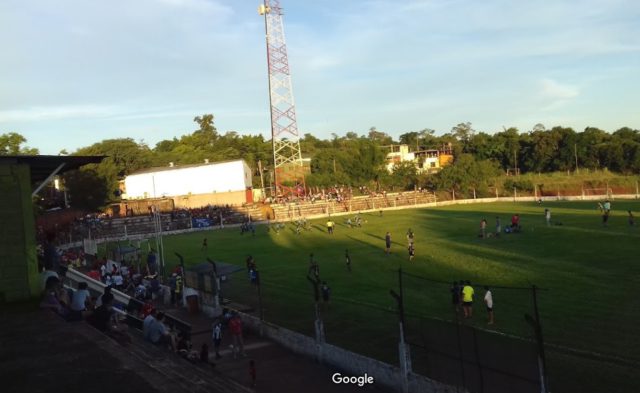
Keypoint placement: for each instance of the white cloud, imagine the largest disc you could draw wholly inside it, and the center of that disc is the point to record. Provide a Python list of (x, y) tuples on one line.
[(557, 91), (56, 113)]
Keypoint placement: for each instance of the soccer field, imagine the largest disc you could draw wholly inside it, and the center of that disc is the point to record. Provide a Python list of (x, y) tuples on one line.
[(590, 274)]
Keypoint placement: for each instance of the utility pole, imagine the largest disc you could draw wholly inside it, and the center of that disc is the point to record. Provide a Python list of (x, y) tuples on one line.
[(261, 175)]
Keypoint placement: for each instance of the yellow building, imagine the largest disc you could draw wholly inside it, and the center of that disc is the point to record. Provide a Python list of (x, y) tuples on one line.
[(425, 160)]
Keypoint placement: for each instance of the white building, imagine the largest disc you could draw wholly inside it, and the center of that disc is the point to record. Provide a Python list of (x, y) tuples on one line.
[(228, 182), (428, 161)]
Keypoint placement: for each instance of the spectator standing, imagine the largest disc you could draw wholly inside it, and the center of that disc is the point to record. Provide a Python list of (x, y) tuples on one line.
[(235, 328), (179, 287), (217, 337), (107, 290), (488, 300), (467, 299), (152, 265), (632, 221), (172, 287)]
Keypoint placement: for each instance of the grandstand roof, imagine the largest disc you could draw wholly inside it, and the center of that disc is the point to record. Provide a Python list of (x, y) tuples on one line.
[(43, 166), (180, 166)]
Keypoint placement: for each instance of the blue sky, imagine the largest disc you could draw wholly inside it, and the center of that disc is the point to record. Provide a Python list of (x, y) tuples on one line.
[(76, 72)]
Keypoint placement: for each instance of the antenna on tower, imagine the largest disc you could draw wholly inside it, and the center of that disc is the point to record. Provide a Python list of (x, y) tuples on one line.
[(287, 158)]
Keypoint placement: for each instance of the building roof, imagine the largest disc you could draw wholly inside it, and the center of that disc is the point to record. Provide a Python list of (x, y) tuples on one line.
[(184, 166), (43, 166)]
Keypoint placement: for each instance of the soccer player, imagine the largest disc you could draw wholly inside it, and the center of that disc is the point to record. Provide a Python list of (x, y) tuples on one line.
[(204, 244), (498, 226), (387, 242), (410, 237), (348, 259), (547, 216), (412, 251), (632, 221)]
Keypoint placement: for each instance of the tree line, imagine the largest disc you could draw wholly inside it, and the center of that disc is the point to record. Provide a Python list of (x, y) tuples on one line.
[(355, 159)]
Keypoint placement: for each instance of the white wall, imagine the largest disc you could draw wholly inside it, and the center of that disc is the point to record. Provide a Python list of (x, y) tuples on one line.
[(202, 179)]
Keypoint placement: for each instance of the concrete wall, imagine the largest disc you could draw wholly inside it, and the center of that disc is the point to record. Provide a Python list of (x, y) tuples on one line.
[(348, 362), (218, 198), (18, 259)]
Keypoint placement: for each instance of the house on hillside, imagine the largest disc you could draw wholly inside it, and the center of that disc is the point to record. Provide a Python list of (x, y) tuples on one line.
[(425, 160)]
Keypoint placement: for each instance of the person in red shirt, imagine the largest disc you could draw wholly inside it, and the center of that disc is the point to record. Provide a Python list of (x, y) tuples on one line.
[(94, 274), (515, 222), (147, 308), (235, 327)]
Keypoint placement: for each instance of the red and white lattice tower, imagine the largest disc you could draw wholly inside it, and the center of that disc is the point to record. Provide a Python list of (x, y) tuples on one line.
[(284, 128)]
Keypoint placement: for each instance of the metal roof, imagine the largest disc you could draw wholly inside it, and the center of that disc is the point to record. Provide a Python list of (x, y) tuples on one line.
[(43, 166), (181, 166)]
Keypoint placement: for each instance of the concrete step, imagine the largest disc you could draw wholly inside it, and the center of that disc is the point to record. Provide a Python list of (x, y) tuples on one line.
[(194, 377)]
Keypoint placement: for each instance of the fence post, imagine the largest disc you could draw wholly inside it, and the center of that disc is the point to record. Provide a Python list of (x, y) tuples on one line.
[(453, 194), (535, 192), (636, 189), (497, 195), (403, 348), (474, 193), (515, 194), (538, 333)]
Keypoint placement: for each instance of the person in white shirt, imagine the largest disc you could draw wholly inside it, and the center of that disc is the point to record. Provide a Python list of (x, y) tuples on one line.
[(547, 216), (117, 281), (44, 276), (81, 298), (488, 300)]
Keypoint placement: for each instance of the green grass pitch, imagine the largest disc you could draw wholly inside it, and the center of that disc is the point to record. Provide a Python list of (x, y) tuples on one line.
[(591, 273)]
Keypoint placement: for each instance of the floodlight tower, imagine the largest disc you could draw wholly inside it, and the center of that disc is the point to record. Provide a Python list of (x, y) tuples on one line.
[(287, 158)]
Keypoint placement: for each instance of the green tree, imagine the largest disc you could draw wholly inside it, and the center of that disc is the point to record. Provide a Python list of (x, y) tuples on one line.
[(11, 144), (466, 174), (87, 190)]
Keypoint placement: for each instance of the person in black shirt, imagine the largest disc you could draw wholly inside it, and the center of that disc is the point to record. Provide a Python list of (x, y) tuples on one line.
[(102, 317)]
